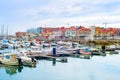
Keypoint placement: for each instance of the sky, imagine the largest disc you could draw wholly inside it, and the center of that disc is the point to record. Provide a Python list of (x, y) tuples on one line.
[(20, 15)]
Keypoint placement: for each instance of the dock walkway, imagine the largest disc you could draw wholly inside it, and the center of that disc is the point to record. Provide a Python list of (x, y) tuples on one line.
[(60, 59)]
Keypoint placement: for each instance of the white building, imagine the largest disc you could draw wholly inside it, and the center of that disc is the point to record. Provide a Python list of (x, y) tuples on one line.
[(91, 37)]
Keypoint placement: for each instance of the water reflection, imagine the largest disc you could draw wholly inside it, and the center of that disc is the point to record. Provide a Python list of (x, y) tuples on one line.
[(11, 70), (54, 62), (76, 69), (81, 56)]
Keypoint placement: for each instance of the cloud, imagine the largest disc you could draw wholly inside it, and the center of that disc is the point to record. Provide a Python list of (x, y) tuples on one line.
[(86, 21), (68, 8), (33, 13)]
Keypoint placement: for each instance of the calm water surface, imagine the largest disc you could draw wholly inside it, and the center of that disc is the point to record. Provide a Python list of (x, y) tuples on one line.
[(96, 68)]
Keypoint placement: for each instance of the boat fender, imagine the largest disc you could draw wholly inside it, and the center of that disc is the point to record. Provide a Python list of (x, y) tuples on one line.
[(87, 49)]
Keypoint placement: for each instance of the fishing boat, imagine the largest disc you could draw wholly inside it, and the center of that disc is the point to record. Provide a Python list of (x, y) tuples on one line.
[(9, 59)]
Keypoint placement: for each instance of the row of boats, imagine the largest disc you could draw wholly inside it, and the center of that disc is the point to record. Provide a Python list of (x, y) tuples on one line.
[(16, 60), (18, 53)]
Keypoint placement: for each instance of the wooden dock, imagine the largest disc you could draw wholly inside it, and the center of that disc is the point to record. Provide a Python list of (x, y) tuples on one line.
[(107, 49), (81, 56), (59, 59), (75, 55), (103, 53), (62, 56), (112, 49)]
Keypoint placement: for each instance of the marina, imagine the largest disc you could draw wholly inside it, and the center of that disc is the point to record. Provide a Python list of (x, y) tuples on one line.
[(27, 54), (86, 69), (59, 62), (59, 40)]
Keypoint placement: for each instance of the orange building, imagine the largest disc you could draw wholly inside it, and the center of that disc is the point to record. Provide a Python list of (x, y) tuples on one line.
[(18, 34)]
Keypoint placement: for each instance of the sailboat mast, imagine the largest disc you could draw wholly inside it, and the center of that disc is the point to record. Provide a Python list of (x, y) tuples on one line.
[(7, 32), (2, 30)]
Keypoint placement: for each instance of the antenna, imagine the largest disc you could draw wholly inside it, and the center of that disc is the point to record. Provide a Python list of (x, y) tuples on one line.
[(1, 31)]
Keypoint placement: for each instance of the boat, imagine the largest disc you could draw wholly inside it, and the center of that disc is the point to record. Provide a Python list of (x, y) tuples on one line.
[(69, 49), (36, 49), (83, 51), (26, 61), (53, 44), (9, 59), (46, 44)]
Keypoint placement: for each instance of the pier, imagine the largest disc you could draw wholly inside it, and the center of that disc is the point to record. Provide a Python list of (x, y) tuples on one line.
[(58, 58), (107, 49), (103, 53)]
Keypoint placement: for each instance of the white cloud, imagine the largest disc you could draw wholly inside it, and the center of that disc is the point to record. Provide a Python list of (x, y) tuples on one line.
[(62, 12), (86, 21), (68, 8)]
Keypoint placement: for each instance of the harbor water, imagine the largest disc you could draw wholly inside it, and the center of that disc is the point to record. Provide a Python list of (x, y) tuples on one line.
[(95, 68)]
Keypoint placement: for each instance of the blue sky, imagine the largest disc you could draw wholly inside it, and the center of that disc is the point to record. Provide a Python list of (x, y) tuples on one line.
[(19, 15)]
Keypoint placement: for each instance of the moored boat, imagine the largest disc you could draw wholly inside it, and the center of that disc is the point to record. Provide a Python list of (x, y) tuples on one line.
[(26, 61), (9, 59), (83, 51)]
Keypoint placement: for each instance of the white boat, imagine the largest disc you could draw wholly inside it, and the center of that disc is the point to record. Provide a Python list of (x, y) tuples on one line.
[(60, 42), (68, 49), (36, 49), (26, 61), (46, 44), (53, 44)]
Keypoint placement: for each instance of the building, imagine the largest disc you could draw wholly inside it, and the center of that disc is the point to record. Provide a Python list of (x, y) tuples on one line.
[(33, 30), (70, 32), (22, 35), (83, 33), (39, 29)]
